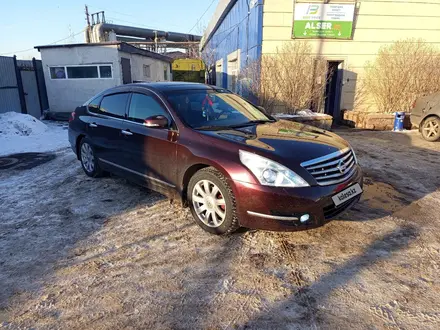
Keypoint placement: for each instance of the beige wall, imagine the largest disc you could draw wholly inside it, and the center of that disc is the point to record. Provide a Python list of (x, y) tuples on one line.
[(137, 68), (378, 23)]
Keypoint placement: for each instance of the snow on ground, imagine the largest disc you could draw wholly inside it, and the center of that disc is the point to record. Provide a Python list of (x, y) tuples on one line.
[(24, 133), (301, 113)]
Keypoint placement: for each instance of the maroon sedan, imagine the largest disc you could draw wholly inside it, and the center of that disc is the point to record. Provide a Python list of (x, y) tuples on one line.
[(229, 161)]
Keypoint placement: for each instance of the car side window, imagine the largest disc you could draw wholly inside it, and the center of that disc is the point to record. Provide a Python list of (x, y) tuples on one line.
[(114, 105), (94, 104), (143, 106)]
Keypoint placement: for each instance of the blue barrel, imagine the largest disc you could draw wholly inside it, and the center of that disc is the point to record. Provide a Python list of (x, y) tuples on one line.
[(398, 121)]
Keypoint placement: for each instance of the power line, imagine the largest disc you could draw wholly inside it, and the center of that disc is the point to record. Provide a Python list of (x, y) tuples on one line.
[(70, 36), (18, 51), (52, 43), (202, 15)]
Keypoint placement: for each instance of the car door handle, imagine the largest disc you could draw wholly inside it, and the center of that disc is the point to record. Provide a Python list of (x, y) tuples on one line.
[(126, 132), (93, 125)]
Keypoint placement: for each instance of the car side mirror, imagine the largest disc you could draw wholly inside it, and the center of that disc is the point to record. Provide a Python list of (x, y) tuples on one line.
[(156, 122), (261, 108)]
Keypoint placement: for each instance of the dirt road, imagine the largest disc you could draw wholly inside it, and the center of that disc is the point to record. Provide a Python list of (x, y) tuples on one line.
[(78, 253)]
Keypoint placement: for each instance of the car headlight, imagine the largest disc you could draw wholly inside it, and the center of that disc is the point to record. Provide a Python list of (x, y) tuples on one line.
[(270, 173)]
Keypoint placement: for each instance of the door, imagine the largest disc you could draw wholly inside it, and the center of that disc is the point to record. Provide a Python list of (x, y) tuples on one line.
[(126, 70), (333, 90), (31, 93), (151, 152), (104, 128)]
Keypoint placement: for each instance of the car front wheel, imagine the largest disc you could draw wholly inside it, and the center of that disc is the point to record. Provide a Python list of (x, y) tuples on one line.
[(88, 159), (431, 129), (212, 202)]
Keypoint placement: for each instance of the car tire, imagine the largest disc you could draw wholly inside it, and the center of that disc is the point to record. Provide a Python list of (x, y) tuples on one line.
[(88, 159), (431, 129), (212, 202)]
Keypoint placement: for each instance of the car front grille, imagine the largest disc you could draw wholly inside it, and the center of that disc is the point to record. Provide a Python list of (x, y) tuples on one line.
[(331, 169)]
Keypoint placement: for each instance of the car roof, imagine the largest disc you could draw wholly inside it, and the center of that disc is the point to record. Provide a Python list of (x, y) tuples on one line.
[(174, 86)]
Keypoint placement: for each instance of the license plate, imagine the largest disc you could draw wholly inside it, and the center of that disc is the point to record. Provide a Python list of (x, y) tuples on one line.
[(347, 194)]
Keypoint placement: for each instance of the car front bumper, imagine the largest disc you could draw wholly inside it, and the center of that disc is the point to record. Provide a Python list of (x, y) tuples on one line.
[(280, 209)]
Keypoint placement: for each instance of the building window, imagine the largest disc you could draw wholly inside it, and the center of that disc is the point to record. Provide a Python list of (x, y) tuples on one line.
[(58, 72), (81, 72), (147, 71), (105, 71)]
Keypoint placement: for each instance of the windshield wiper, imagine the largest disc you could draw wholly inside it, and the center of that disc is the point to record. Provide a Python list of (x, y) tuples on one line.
[(211, 128), (252, 122)]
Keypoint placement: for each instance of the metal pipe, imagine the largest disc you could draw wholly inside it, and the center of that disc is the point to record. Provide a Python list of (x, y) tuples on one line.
[(145, 33)]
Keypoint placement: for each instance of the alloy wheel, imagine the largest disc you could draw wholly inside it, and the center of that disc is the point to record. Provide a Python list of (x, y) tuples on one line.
[(87, 157), (209, 203), (431, 128)]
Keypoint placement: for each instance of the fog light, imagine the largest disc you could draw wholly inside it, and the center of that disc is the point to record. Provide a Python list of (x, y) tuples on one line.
[(304, 218)]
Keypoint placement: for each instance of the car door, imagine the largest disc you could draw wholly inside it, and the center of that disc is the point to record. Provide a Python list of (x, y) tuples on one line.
[(105, 125), (151, 152)]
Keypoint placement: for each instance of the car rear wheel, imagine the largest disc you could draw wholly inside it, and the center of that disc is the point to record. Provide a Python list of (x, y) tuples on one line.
[(212, 202), (88, 159), (431, 129)]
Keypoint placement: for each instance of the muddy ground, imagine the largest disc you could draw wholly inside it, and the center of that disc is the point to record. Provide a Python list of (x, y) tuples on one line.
[(81, 253)]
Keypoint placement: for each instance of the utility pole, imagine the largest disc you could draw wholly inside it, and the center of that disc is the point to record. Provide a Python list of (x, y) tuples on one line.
[(88, 29), (87, 15)]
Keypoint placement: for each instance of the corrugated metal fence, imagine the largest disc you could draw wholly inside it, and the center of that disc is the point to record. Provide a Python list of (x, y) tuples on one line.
[(22, 87)]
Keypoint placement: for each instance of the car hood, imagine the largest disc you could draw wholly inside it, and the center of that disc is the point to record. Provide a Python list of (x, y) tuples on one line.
[(283, 140)]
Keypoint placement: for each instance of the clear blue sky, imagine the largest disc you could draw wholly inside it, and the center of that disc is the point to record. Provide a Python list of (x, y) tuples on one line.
[(25, 25)]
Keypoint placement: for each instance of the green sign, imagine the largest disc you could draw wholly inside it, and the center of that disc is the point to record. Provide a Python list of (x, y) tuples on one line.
[(331, 21)]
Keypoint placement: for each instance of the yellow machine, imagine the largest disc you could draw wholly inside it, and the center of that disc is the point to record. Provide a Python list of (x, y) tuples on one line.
[(188, 69)]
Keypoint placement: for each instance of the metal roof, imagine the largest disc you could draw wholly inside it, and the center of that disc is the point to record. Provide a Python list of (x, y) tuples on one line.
[(223, 8), (122, 46), (174, 85)]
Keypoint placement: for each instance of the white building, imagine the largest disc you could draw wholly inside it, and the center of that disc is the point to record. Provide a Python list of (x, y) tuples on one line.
[(76, 72)]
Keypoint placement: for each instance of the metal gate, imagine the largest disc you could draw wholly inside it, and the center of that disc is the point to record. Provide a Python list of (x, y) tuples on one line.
[(9, 93), (22, 86)]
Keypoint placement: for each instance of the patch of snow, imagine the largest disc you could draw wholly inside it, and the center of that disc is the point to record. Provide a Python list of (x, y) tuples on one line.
[(23, 133), (14, 123), (301, 113)]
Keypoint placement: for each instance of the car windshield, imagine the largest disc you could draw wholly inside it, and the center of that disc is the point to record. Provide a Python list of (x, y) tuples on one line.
[(211, 109)]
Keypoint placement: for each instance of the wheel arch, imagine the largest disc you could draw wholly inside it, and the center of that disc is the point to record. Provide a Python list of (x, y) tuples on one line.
[(193, 169), (430, 115), (77, 144)]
